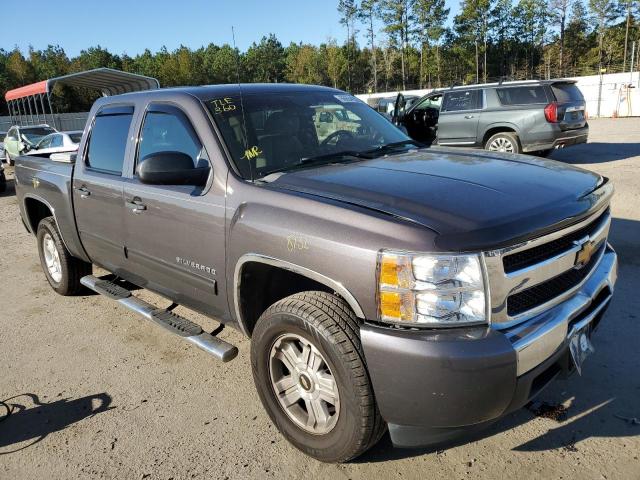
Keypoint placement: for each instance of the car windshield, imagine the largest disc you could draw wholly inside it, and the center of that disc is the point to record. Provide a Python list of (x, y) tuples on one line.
[(283, 131), (35, 134)]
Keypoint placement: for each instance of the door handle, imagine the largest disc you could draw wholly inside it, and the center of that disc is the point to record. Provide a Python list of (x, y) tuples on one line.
[(136, 206), (84, 193), (468, 116)]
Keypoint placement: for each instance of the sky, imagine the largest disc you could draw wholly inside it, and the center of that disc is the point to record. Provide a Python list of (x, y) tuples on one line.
[(130, 26)]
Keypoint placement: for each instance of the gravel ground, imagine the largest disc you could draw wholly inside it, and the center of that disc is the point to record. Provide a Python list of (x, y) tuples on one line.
[(97, 392)]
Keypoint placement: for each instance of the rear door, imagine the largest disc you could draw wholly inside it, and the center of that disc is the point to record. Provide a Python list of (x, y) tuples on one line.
[(571, 105), (459, 117), (175, 233), (97, 187)]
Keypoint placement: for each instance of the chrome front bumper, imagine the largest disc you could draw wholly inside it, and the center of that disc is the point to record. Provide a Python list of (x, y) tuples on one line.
[(538, 338)]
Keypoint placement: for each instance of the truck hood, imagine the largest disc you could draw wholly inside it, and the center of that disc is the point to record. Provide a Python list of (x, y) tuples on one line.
[(471, 199)]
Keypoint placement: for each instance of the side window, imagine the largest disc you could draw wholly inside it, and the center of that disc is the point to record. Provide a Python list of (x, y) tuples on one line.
[(169, 131), (108, 140), (522, 95), (56, 141), (430, 102), (460, 100), (45, 142), (12, 135)]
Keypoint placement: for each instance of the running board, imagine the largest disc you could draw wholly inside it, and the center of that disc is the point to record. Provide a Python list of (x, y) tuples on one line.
[(191, 332)]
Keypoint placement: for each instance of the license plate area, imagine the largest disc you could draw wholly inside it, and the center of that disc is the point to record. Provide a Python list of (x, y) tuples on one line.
[(580, 347)]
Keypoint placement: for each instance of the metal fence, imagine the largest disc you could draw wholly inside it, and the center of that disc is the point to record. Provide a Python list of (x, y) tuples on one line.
[(61, 121)]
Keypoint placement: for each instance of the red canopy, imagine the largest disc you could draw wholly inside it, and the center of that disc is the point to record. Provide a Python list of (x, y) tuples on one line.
[(27, 90)]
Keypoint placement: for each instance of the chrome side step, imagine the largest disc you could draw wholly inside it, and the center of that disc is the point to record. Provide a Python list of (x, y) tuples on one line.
[(191, 332)]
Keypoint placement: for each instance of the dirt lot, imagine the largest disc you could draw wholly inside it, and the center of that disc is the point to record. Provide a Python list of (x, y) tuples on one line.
[(97, 392)]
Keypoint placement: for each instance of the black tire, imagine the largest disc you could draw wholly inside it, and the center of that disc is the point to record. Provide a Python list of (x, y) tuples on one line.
[(329, 324), (509, 137), (72, 269), (3, 182)]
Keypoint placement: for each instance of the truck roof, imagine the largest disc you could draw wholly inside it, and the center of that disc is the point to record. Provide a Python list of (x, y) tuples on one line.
[(206, 92)]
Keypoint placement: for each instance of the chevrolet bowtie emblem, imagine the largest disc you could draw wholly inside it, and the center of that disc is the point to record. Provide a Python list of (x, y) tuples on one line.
[(584, 254), (36, 182)]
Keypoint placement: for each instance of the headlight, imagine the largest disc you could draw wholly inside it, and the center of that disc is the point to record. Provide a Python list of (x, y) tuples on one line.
[(431, 289)]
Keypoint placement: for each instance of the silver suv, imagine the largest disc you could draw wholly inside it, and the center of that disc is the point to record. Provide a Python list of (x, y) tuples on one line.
[(515, 117)]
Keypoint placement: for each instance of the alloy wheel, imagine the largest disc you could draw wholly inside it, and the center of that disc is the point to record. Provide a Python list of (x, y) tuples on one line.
[(304, 384)]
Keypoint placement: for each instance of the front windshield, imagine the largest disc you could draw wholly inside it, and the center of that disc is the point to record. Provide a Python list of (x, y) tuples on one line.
[(34, 135), (281, 131)]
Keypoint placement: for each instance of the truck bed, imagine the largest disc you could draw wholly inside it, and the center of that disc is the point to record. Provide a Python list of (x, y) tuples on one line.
[(42, 183)]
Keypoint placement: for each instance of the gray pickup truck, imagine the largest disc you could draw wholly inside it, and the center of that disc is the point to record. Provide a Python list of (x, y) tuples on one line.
[(384, 286)]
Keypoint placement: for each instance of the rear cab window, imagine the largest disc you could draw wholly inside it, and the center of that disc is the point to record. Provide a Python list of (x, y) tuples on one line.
[(567, 93), (108, 139), (525, 95), (462, 100)]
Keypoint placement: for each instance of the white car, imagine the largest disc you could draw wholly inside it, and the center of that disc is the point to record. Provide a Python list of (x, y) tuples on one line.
[(57, 142)]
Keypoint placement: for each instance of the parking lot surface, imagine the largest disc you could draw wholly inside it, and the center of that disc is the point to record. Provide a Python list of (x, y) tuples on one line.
[(98, 392)]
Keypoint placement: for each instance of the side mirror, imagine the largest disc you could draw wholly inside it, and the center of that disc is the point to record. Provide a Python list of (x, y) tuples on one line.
[(171, 168)]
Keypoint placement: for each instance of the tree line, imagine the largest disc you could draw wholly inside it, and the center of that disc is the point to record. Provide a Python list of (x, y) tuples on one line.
[(403, 44)]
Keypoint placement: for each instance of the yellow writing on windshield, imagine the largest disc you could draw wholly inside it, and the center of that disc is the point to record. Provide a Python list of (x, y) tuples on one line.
[(222, 105), (251, 153)]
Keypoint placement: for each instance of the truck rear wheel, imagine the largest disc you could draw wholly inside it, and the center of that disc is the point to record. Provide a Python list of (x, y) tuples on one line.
[(309, 370), (503, 142), (63, 271)]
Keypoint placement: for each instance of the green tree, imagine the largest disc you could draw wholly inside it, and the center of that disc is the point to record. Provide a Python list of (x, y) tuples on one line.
[(264, 62), (501, 31), (531, 27), (335, 61), (604, 12), (429, 16), (348, 10), (472, 23), (397, 17), (559, 10), (367, 13)]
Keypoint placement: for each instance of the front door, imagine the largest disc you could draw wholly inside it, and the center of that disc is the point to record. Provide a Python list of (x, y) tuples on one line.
[(175, 233), (421, 121), (97, 187), (459, 117)]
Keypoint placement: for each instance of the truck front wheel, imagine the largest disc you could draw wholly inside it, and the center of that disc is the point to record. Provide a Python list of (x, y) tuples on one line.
[(310, 373), (63, 271)]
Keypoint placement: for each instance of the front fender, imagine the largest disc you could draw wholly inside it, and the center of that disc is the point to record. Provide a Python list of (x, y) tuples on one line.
[(330, 242)]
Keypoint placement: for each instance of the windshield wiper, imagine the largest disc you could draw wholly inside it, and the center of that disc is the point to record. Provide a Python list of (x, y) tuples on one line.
[(390, 147), (332, 156), (318, 159), (343, 156)]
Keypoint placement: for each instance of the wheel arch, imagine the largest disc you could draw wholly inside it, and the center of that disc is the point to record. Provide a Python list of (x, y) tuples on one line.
[(499, 128), (249, 305), (36, 208)]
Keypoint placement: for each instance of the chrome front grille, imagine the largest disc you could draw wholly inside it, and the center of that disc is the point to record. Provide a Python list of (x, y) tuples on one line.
[(542, 293), (530, 277), (525, 258)]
